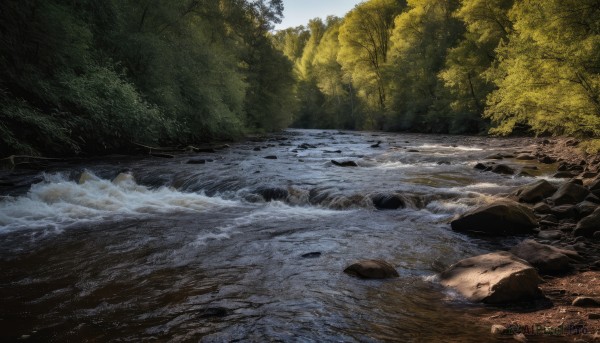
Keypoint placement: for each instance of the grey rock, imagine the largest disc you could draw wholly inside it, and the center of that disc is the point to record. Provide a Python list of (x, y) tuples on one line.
[(546, 258), (499, 218)]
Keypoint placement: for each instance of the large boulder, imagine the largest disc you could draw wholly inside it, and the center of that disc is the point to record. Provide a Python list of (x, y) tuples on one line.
[(372, 269), (499, 218), (588, 225), (569, 193), (546, 258), (494, 278), (536, 191)]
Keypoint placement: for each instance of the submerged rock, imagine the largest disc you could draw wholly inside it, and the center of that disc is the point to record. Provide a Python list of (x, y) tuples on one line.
[(384, 201), (372, 269), (494, 278), (313, 254), (273, 193), (196, 161), (546, 258), (344, 163), (499, 218), (525, 157), (211, 312)]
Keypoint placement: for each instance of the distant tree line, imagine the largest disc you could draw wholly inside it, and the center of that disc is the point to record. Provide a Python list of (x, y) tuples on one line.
[(457, 66), (96, 76)]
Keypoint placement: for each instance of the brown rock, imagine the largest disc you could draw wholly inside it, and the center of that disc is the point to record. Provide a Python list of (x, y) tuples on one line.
[(541, 208), (550, 234), (536, 191), (493, 278), (546, 258), (525, 157), (499, 218), (372, 269), (564, 175), (586, 302), (569, 193), (502, 169), (588, 225)]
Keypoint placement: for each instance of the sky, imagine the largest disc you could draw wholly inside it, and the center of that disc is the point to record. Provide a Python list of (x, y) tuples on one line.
[(299, 12)]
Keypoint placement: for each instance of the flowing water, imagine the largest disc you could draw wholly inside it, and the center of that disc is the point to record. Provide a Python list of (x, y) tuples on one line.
[(149, 248)]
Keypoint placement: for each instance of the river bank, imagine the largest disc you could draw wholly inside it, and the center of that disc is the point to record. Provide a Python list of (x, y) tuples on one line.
[(562, 314)]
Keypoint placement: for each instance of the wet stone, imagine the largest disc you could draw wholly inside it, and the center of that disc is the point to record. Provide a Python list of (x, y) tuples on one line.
[(372, 269), (214, 312)]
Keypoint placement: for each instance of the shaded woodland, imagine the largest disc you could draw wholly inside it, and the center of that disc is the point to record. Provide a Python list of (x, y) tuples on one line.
[(100, 76), (97, 76)]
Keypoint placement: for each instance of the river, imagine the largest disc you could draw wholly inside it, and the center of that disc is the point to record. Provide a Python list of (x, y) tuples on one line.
[(171, 251)]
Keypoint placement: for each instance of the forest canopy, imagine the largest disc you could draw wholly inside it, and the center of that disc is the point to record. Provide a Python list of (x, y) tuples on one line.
[(99, 76), (451, 66)]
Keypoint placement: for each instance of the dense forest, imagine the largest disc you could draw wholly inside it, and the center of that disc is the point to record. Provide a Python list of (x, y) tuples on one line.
[(95, 76), (99, 76), (451, 66)]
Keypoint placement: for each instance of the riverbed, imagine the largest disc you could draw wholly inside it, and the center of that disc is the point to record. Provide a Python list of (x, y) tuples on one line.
[(249, 243)]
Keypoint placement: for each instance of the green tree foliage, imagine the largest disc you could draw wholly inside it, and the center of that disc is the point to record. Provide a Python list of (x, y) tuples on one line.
[(453, 66), (466, 85), (364, 40), (419, 45), (97, 76), (548, 75)]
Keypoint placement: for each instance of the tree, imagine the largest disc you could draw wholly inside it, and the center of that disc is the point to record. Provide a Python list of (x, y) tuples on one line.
[(419, 45), (466, 86), (364, 39), (548, 76)]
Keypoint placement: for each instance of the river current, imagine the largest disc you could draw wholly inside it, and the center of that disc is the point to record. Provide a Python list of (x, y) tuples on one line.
[(247, 248)]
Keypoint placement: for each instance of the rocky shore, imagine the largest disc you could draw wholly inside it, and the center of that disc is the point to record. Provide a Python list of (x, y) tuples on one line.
[(560, 229), (548, 285)]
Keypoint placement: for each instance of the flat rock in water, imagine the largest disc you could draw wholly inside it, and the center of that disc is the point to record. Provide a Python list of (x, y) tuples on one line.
[(271, 157), (496, 219), (569, 193), (214, 312), (196, 161), (495, 278), (313, 254), (525, 157), (344, 163), (372, 269), (546, 258), (536, 191), (588, 225)]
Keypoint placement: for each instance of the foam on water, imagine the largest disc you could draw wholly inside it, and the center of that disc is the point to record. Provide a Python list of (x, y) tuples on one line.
[(459, 147), (58, 202)]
